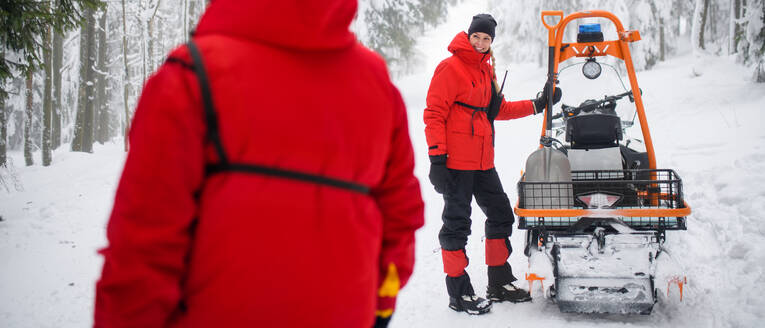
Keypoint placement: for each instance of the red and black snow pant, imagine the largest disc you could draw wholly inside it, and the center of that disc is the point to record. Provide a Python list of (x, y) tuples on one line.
[(493, 201)]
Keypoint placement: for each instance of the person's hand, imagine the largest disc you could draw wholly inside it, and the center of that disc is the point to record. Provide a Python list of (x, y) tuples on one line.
[(439, 173), (541, 101)]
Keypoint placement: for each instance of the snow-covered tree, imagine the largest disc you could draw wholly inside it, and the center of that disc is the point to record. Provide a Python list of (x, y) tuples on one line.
[(661, 23), (519, 36), (25, 28), (23, 23), (752, 46), (701, 8), (390, 27)]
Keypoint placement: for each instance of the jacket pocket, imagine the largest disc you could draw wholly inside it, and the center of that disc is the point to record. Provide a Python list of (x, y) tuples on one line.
[(464, 148)]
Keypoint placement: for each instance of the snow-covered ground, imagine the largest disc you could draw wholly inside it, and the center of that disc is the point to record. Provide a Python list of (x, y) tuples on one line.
[(49, 235), (710, 128)]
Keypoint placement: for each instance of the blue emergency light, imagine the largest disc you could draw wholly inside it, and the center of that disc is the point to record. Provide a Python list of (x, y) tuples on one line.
[(589, 33), (589, 28)]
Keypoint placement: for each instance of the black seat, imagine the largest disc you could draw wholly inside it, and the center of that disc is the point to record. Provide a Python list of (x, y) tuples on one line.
[(594, 131)]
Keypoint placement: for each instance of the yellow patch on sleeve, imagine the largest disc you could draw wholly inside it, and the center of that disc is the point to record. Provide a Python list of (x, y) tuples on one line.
[(391, 285)]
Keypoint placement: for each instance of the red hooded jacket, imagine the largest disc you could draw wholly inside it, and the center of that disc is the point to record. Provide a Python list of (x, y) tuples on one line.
[(454, 129), (293, 89)]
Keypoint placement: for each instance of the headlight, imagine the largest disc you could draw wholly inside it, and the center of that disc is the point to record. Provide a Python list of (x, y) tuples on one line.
[(591, 69)]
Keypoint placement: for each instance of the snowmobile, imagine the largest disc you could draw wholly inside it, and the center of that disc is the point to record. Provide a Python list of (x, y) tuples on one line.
[(596, 209)]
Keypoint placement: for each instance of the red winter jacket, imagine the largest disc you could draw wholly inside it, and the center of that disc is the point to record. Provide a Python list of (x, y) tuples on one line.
[(453, 129), (293, 89)]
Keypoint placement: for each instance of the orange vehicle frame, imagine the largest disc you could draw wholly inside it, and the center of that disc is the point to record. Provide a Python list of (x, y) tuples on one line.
[(605, 213), (615, 48)]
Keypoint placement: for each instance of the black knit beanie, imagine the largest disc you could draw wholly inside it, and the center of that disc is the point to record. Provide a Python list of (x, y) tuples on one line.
[(483, 23)]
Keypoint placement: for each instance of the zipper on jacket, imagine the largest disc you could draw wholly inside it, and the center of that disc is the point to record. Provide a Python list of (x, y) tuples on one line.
[(488, 75)]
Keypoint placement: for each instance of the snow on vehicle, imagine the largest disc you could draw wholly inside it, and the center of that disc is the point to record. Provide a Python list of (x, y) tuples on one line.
[(595, 210)]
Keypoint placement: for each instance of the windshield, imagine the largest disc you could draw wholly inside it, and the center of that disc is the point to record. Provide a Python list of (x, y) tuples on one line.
[(612, 81)]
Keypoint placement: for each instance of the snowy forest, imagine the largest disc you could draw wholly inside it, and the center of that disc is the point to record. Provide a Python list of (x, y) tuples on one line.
[(72, 70)]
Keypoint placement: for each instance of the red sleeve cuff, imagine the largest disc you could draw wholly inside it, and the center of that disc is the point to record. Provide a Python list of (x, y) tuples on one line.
[(385, 306)]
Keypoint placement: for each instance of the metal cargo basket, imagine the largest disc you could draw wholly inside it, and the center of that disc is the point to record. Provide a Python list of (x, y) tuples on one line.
[(641, 198)]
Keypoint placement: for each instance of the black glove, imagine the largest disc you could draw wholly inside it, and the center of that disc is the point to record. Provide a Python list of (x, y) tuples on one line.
[(381, 322), (541, 101), (439, 174)]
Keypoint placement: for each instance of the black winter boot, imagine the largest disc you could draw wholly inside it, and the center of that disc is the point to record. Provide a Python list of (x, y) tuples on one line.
[(507, 292), (470, 303)]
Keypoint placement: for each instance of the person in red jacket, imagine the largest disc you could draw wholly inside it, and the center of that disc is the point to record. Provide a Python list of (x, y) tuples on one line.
[(462, 104), (269, 181)]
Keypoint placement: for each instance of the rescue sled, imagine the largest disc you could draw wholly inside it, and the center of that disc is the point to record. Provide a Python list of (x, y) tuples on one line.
[(595, 209)]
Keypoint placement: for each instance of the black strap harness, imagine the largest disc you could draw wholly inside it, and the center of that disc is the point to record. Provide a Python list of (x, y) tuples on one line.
[(492, 110), (472, 116), (224, 166)]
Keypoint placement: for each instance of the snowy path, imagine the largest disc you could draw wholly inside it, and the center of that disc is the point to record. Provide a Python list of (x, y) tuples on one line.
[(49, 236), (710, 128)]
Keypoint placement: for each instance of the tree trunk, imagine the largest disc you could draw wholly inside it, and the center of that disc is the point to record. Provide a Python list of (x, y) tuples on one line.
[(732, 27), (160, 47), (760, 68), (696, 26), (28, 120), (192, 12), (80, 114), (87, 140), (47, 98), (144, 41), (3, 124), (58, 58), (185, 18), (150, 32), (712, 19), (102, 123), (126, 78), (96, 80), (662, 41), (657, 15), (704, 13), (737, 30), (83, 136)]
